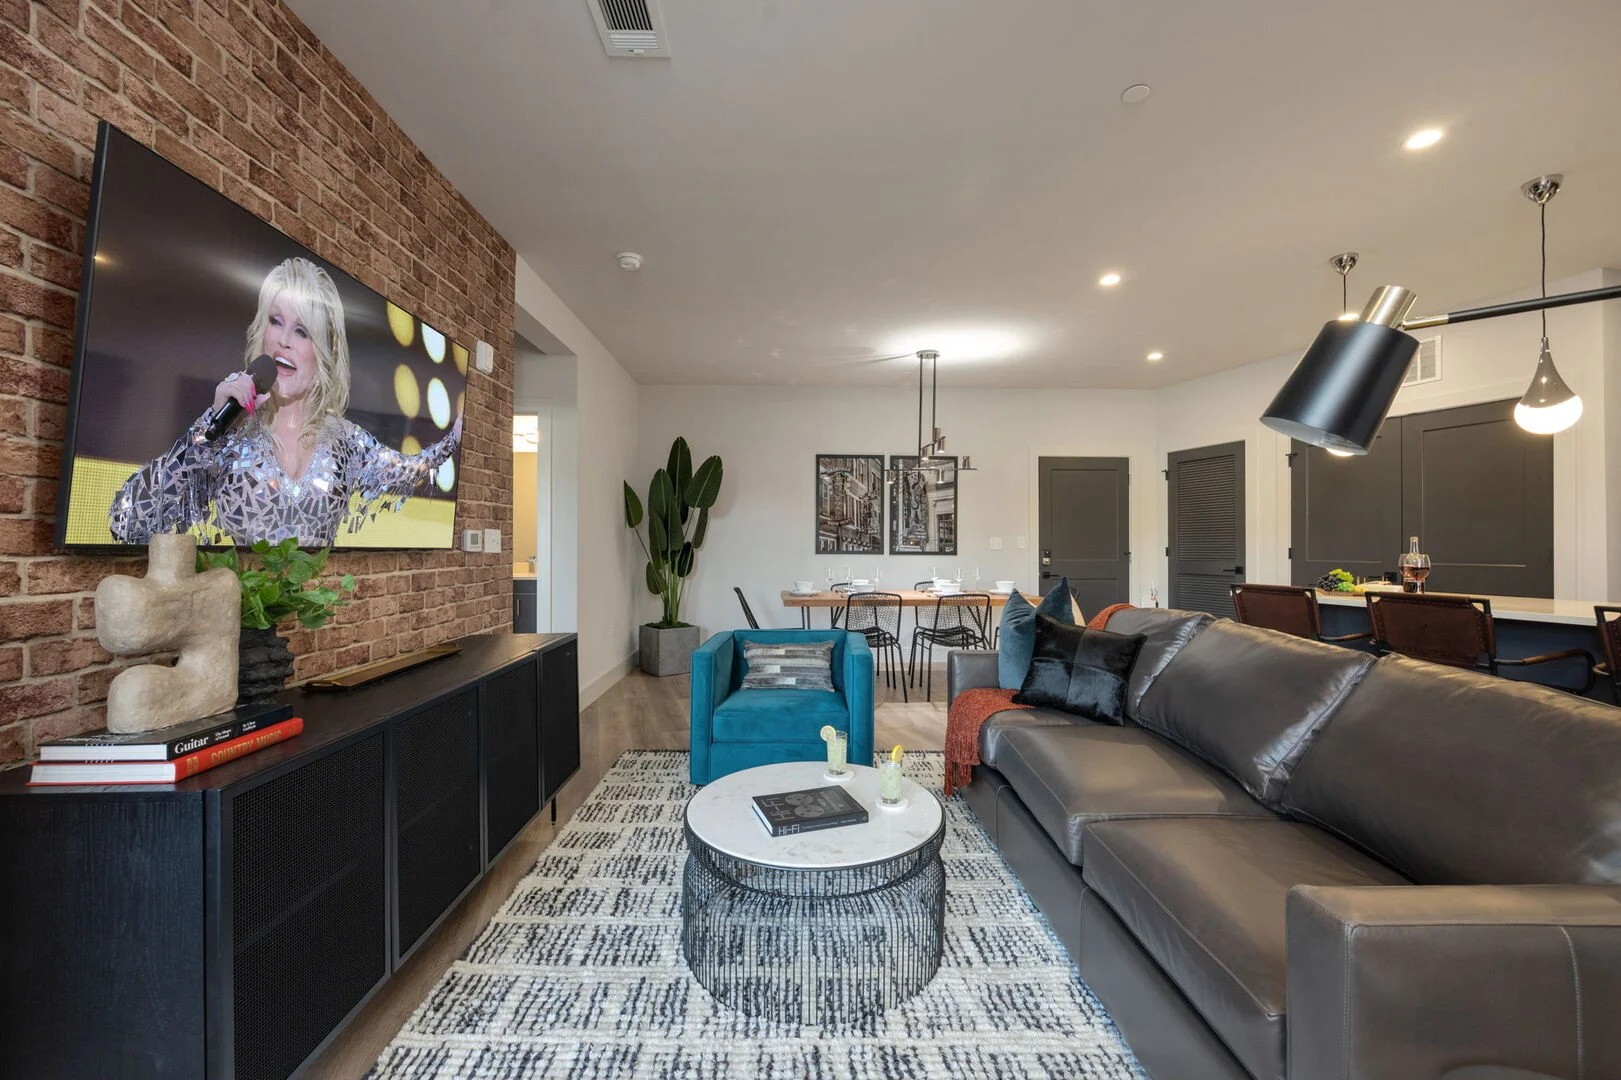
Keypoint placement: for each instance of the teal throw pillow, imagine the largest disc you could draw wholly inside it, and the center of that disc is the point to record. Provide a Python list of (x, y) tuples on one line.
[(1016, 637)]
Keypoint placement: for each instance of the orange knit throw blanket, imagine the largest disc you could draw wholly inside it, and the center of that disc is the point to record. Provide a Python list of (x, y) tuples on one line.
[(970, 710)]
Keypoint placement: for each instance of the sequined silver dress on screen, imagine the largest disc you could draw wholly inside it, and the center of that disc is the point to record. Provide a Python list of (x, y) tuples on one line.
[(253, 499)]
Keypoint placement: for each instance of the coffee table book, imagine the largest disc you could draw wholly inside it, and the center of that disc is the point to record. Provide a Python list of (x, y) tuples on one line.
[(789, 812), (165, 744), (80, 773)]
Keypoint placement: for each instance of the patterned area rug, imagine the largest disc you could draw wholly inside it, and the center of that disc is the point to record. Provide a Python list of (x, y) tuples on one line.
[(580, 974)]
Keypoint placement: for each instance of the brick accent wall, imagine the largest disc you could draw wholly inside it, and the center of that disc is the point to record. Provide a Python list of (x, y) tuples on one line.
[(240, 94)]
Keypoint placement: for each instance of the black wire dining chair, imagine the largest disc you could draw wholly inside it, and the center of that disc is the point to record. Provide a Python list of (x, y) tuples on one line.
[(876, 616), (833, 613), (962, 621), (748, 612)]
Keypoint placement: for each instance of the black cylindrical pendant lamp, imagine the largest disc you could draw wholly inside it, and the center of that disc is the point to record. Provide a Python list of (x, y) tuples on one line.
[(1338, 395)]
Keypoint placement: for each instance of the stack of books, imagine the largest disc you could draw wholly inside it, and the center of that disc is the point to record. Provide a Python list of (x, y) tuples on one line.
[(164, 755)]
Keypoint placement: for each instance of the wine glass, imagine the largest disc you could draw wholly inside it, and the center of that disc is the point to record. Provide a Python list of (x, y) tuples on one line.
[(1415, 567)]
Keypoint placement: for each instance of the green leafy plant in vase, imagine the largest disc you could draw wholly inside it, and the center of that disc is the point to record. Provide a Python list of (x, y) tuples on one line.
[(679, 499), (279, 583)]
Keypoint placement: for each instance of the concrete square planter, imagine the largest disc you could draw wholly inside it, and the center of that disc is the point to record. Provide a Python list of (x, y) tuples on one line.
[(667, 652)]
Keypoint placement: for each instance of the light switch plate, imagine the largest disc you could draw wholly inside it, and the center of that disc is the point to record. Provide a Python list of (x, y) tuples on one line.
[(484, 357), (472, 539), (492, 541), (996, 543)]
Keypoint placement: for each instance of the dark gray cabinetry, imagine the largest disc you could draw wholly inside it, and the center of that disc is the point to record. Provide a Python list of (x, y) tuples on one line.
[(228, 926)]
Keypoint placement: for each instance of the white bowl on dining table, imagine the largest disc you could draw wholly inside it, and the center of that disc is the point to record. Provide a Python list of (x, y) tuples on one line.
[(1003, 587)]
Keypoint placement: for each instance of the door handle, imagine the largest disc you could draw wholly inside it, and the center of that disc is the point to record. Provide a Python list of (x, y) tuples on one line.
[(1236, 570)]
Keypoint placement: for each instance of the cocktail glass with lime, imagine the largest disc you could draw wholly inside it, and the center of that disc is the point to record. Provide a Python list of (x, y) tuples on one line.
[(838, 750), (889, 778)]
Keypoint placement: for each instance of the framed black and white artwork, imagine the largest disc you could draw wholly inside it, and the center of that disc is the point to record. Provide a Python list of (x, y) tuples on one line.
[(923, 506), (849, 504)]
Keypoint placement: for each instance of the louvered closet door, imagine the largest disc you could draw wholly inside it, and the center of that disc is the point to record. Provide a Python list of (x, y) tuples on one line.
[(1206, 527)]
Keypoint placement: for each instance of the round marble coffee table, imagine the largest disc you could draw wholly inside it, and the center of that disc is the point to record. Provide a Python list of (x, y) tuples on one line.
[(818, 927)]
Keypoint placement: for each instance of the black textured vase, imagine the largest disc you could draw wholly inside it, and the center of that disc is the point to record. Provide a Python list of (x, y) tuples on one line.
[(264, 664)]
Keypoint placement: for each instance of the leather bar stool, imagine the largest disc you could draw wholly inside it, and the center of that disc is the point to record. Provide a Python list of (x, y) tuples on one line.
[(1609, 634), (1289, 609), (1455, 630)]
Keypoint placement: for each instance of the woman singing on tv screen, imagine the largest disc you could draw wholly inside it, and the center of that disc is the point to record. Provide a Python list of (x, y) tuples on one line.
[(291, 466)]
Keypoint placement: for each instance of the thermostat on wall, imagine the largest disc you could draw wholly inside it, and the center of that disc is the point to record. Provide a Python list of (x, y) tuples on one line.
[(484, 357), (472, 539)]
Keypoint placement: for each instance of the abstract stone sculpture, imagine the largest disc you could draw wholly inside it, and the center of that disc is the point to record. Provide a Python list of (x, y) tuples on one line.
[(172, 608)]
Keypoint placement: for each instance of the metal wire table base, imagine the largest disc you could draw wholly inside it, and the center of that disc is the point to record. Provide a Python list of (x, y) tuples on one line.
[(813, 946)]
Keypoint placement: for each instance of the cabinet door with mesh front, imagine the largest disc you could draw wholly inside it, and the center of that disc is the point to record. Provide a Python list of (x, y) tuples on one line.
[(436, 808), (510, 711), (306, 915)]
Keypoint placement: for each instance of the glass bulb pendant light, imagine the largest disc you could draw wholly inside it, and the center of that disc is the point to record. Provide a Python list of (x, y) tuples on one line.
[(1549, 404)]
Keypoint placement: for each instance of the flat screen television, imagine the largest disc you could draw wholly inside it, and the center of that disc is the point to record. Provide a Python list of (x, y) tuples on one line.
[(355, 441)]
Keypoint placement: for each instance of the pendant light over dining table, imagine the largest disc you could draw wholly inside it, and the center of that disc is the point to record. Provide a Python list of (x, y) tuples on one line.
[(931, 456)]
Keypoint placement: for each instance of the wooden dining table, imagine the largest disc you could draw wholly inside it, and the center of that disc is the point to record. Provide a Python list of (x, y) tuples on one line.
[(911, 598)]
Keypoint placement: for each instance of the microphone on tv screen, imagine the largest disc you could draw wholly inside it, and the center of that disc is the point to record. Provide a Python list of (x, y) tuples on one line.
[(262, 370)]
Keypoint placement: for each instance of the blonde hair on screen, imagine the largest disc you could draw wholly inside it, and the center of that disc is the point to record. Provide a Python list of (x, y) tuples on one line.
[(314, 296)]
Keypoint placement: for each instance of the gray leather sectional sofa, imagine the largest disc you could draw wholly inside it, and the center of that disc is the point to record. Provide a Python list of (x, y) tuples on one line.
[(1300, 861)]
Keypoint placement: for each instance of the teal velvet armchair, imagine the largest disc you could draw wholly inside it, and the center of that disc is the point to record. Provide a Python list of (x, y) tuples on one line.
[(735, 729)]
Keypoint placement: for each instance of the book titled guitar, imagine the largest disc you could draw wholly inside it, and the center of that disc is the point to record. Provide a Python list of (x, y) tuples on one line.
[(165, 744), (163, 772)]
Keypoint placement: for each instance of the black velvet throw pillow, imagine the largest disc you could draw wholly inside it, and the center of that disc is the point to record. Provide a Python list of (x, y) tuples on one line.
[(1080, 670)]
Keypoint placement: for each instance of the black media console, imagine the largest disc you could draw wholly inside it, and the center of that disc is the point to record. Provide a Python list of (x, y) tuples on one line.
[(228, 926)]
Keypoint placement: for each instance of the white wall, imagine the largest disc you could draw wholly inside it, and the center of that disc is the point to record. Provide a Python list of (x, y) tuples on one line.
[(762, 532), (1483, 361), (606, 439)]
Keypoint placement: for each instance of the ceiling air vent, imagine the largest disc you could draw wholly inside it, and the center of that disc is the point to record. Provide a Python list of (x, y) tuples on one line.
[(1426, 365), (633, 28)]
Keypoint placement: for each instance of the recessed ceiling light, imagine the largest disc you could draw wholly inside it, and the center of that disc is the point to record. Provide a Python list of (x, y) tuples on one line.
[(1136, 92), (1349, 316), (1109, 280), (1423, 139), (1155, 357)]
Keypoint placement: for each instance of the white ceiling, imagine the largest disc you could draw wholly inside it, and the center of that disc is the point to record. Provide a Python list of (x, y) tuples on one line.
[(814, 182)]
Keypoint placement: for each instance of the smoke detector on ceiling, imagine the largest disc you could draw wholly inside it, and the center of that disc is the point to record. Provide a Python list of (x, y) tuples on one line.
[(630, 28), (629, 260)]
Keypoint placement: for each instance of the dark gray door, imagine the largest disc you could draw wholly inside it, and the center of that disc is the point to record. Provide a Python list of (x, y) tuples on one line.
[(1206, 527), (1477, 491), (1083, 528), (1346, 511)]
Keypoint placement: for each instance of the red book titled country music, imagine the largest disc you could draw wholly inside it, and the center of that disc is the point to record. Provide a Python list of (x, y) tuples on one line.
[(162, 772)]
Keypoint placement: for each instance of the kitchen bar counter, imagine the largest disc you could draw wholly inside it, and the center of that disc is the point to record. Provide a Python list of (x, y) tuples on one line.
[(1517, 608), (1526, 626)]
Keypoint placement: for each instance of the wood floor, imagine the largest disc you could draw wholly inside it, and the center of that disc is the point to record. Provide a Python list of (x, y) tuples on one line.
[(638, 713)]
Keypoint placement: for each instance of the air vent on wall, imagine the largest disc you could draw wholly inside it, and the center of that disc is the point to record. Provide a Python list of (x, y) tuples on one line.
[(1426, 365), (633, 28)]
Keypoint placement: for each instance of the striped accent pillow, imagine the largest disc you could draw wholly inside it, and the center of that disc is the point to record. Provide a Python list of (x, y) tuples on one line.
[(789, 665)]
